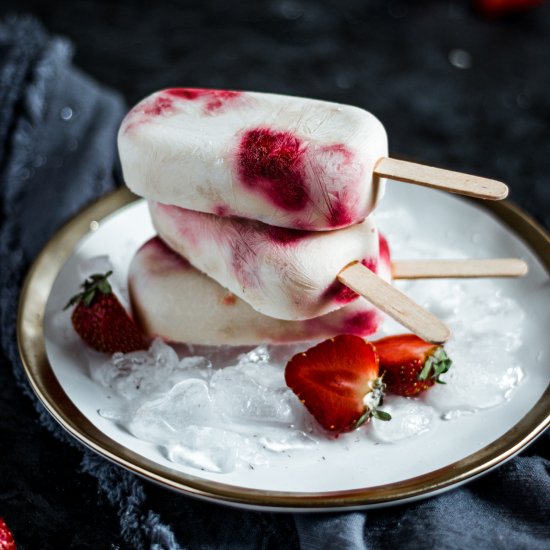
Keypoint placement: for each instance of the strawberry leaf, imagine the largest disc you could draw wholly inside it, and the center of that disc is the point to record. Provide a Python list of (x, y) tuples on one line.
[(381, 415), (96, 282), (442, 368), (104, 286), (436, 364), (88, 297), (425, 372), (364, 417)]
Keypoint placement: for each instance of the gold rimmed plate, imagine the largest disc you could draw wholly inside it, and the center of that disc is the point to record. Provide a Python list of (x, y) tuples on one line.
[(334, 478)]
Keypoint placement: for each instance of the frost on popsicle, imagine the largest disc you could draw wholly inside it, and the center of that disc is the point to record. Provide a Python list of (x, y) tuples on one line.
[(278, 273), (287, 161)]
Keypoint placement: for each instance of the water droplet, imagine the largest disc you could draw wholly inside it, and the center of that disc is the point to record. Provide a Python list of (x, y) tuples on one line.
[(24, 174), (476, 238), (345, 80), (40, 160), (66, 113), (460, 59), (290, 9), (73, 144), (94, 225)]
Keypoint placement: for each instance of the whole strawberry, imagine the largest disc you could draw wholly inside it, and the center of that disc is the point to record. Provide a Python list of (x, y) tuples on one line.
[(410, 365), (101, 321), (6, 538), (337, 381)]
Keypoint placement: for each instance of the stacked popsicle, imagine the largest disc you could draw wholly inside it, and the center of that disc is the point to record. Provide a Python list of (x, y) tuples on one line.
[(261, 203)]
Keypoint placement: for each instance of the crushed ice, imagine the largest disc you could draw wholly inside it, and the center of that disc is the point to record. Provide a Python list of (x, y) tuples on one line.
[(487, 326), (217, 408), (214, 419)]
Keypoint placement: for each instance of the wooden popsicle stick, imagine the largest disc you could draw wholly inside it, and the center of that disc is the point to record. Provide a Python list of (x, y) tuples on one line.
[(393, 302), (437, 178), (451, 269)]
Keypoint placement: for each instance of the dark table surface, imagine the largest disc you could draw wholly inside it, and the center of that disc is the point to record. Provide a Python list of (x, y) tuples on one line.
[(453, 89)]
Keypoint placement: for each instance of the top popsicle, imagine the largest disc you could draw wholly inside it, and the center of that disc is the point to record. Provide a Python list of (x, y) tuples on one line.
[(286, 161)]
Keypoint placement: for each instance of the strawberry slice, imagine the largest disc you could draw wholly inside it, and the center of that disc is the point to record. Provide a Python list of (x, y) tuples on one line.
[(337, 381), (6, 538), (101, 320), (409, 364)]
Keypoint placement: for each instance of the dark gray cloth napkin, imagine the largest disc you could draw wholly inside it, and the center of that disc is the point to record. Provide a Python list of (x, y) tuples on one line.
[(58, 153)]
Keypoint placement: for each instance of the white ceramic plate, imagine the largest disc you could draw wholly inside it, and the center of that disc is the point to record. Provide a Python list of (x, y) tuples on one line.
[(359, 474)]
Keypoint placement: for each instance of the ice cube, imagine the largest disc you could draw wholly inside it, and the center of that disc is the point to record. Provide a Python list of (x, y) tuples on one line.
[(205, 448), (240, 394), (195, 367), (139, 372), (481, 376), (268, 376), (187, 403), (474, 383), (410, 417), (488, 331), (259, 355)]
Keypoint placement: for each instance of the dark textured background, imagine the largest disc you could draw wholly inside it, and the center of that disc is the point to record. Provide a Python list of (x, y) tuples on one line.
[(453, 89), (391, 57)]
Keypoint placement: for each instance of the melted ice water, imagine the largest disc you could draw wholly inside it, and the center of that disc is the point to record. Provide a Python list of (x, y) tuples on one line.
[(221, 408)]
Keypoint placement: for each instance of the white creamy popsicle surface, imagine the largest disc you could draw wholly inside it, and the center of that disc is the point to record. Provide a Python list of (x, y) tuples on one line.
[(286, 161), (284, 273), (270, 196), (173, 300)]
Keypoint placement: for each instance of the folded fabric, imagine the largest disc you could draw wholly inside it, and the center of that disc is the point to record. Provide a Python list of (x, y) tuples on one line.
[(58, 153)]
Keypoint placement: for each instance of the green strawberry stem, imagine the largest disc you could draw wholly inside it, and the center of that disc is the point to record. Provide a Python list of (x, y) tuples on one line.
[(371, 410), (437, 364), (91, 286)]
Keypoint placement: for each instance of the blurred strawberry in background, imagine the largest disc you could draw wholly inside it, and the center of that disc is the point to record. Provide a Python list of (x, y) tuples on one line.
[(6, 538), (496, 8)]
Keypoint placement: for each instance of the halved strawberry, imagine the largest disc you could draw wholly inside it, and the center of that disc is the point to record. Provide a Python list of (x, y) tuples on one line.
[(410, 365), (337, 381), (101, 321)]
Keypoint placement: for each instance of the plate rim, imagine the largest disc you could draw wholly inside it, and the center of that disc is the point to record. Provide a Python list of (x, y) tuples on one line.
[(31, 344)]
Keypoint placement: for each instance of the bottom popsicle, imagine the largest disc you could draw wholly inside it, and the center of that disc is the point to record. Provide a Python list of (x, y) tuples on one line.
[(173, 300)]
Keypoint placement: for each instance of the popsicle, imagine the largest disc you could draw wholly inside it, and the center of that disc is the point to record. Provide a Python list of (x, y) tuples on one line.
[(286, 161), (173, 300), (283, 273)]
